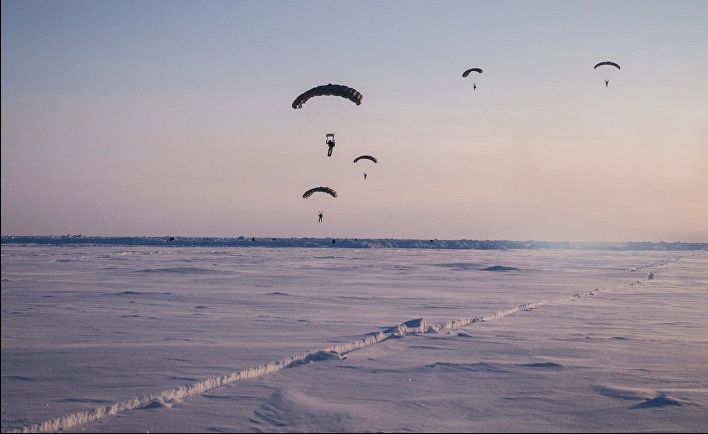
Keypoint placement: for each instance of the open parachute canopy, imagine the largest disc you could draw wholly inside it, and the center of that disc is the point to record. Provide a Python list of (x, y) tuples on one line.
[(366, 157), (608, 63), (329, 89), (312, 191), (466, 73)]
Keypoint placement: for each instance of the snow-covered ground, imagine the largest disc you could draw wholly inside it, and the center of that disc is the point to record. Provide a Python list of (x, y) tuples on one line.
[(307, 339)]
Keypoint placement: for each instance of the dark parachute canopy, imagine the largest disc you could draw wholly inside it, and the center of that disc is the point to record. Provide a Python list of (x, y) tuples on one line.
[(466, 73), (366, 157), (312, 191), (329, 89), (607, 63)]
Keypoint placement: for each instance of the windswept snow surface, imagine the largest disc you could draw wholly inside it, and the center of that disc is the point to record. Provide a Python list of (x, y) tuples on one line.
[(106, 338)]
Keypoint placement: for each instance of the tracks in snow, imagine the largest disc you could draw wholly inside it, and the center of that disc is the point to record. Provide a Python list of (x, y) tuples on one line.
[(168, 397)]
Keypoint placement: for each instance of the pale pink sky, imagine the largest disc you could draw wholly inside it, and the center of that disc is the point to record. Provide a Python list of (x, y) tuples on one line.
[(174, 118)]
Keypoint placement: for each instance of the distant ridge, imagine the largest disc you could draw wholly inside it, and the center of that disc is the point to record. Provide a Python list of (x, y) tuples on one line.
[(358, 243)]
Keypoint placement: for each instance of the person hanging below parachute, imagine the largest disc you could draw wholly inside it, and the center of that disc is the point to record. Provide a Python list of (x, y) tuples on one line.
[(330, 112), (366, 157), (325, 190), (607, 64), (466, 73), (329, 141)]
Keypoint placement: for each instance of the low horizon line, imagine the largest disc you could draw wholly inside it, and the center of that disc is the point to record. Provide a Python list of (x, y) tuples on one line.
[(367, 238)]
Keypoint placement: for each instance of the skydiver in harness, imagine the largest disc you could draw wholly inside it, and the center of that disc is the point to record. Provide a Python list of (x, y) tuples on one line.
[(607, 83), (474, 86), (330, 143), (320, 216), (364, 176)]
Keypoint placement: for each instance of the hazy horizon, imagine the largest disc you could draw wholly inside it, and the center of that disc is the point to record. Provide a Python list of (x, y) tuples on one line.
[(179, 240), (174, 118)]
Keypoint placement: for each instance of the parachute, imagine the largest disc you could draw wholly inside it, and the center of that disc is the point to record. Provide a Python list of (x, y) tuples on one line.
[(608, 63), (466, 73), (329, 89), (366, 157), (608, 72), (328, 107), (312, 191), (474, 81)]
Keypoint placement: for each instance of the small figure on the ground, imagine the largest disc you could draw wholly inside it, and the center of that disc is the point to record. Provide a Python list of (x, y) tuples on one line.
[(320, 216), (333, 241), (364, 176), (651, 276), (253, 239), (330, 144), (607, 83)]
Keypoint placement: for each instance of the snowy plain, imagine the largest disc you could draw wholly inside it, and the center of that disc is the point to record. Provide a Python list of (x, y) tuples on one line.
[(108, 338)]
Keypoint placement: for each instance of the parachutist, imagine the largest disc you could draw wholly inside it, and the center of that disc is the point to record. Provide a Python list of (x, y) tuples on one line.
[(329, 140), (366, 157), (607, 64), (324, 190), (467, 73)]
